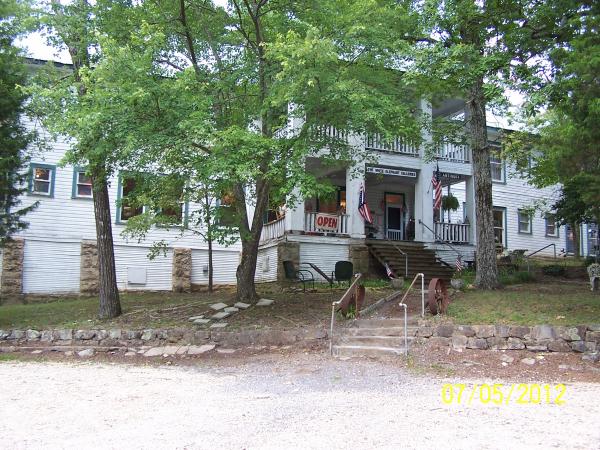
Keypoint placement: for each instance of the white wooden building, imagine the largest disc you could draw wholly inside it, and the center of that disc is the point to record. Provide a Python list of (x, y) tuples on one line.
[(398, 192)]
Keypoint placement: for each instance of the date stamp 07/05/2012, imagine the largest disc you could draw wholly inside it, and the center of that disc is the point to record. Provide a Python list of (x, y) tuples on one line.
[(503, 394)]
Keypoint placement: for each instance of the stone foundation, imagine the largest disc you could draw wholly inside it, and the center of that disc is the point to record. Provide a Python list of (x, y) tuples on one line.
[(287, 251), (12, 267), (89, 274), (182, 270), (359, 256)]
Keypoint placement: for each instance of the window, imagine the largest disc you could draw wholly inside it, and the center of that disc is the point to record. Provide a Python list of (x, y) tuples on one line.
[(524, 222), (128, 208), (335, 204), (41, 180), (82, 184), (497, 169), (173, 208), (551, 225), (499, 220)]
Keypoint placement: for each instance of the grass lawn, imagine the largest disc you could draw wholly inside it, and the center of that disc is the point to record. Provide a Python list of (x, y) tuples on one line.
[(555, 303), (166, 309)]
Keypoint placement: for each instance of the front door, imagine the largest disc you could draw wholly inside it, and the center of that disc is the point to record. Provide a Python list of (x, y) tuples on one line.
[(394, 216)]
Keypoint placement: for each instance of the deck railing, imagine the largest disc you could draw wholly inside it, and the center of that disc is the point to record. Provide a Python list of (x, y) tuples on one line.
[(393, 235), (456, 233), (452, 152), (395, 145), (273, 230), (310, 224)]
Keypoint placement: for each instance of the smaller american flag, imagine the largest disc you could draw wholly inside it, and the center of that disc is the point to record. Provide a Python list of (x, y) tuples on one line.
[(437, 189), (363, 208), (388, 271), (459, 264)]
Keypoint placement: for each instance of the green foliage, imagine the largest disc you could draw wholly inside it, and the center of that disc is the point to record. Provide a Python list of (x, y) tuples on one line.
[(554, 270), (14, 138), (450, 203)]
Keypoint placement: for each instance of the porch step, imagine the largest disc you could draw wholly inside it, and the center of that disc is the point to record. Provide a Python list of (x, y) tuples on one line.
[(374, 341), (374, 324), (385, 331), (363, 350)]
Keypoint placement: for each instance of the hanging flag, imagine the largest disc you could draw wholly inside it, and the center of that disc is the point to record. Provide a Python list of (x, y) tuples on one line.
[(388, 271), (437, 189), (459, 264), (363, 208)]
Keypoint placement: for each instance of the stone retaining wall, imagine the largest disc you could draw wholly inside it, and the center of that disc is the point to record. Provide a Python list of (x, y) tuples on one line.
[(581, 338), (132, 338), (12, 267)]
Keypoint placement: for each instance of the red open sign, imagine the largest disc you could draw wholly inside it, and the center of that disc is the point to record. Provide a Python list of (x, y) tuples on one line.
[(326, 222)]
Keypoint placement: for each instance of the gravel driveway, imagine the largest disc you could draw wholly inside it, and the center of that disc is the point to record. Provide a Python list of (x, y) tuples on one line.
[(280, 402)]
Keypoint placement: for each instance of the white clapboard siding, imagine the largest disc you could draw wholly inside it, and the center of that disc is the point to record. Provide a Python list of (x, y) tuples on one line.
[(323, 255), (158, 270), (225, 262), (51, 267), (266, 267)]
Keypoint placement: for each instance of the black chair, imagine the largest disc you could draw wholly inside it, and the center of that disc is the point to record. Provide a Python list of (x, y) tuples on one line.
[(344, 271), (298, 276)]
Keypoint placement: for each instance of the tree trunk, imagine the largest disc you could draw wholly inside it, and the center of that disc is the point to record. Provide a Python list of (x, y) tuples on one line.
[(576, 240), (110, 305), (210, 265), (487, 269), (246, 288)]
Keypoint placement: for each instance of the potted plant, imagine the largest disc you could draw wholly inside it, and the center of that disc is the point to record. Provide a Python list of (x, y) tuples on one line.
[(449, 203), (457, 281)]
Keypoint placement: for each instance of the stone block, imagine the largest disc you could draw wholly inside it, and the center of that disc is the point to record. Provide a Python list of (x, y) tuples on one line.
[(87, 353), (497, 343), (220, 315), (543, 333), (424, 332), (484, 331), (537, 346), (287, 251), (84, 335), (175, 334), (593, 327), (502, 331), (459, 341), (154, 351), (132, 335), (148, 335), (465, 330), (518, 331), (16, 335), (242, 305), (515, 343), (115, 333), (569, 333), (181, 276), (445, 331), (47, 336), (201, 321), (559, 346), (64, 335), (218, 325), (264, 302), (230, 309), (198, 350), (89, 275), (578, 346), (359, 256), (477, 343), (591, 346), (593, 336), (32, 335), (218, 306), (101, 334), (12, 267)]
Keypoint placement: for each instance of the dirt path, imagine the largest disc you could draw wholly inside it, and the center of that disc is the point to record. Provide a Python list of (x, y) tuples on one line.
[(271, 401)]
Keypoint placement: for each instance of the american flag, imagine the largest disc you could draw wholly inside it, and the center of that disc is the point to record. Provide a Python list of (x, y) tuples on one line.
[(363, 208), (459, 264), (388, 271), (437, 189)]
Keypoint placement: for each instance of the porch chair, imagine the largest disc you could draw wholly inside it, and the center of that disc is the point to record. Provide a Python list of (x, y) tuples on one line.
[(344, 271), (298, 276)]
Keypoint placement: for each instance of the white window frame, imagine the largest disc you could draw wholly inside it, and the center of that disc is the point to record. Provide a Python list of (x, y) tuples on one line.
[(556, 232), (76, 172), (51, 179), (521, 212)]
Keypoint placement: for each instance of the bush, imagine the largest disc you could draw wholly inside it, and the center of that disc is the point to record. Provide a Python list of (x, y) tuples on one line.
[(554, 270), (523, 276)]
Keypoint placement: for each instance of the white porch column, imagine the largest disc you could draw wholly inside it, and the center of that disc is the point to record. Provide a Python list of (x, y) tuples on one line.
[(470, 207), (423, 189), (294, 216), (355, 176)]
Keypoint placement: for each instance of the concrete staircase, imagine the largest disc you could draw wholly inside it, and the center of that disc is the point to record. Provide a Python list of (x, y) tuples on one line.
[(372, 337), (420, 259)]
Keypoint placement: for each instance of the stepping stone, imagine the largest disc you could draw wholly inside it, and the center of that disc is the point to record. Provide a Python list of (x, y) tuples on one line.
[(230, 309), (201, 321), (154, 351), (183, 350), (227, 351), (218, 306), (193, 319), (199, 349), (219, 315), (264, 302), (219, 325), (241, 305), (170, 350), (130, 354)]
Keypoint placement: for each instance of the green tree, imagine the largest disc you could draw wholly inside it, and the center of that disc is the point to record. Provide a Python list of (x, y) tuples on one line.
[(14, 138), (238, 96), (60, 99)]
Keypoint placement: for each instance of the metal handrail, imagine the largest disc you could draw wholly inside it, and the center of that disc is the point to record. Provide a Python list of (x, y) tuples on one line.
[(422, 292), (333, 305), (537, 251), (402, 253), (435, 235)]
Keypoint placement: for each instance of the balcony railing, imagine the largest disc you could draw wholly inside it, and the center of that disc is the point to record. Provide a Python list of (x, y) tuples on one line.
[(454, 152), (457, 233), (273, 230), (395, 145), (311, 226), (330, 133)]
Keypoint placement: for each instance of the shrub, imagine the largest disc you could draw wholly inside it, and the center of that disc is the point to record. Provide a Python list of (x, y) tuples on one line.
[(554, 270)]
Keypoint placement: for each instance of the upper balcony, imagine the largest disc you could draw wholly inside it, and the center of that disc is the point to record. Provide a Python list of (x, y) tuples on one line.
[(448, 151)]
